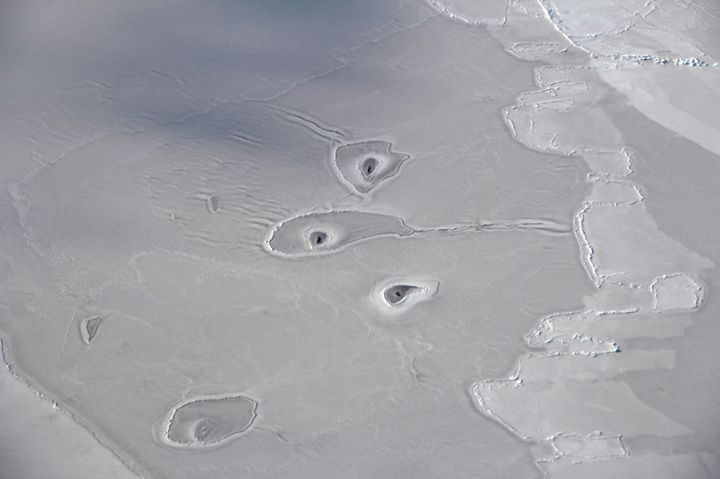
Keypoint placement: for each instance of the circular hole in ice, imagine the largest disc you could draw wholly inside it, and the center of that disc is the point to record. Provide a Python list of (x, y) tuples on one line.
[(369, 167), (318, 238), (395, 294)]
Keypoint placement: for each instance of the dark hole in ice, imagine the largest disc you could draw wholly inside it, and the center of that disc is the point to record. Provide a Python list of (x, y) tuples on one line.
[(369, 166), (318, 238), (395, 294)]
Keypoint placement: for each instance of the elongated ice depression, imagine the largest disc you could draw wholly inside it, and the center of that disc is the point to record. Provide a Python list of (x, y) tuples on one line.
[(208, 421), (327, 232), (89, 328), (319, 233)]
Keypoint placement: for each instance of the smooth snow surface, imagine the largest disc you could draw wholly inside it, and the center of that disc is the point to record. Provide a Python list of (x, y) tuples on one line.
[(359, 239)]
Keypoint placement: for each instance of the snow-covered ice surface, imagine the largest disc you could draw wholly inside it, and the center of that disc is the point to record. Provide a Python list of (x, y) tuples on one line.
[(359, 239)]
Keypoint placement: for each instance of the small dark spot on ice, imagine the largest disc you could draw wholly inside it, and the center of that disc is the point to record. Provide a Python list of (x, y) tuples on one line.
[(395, 294), (369, 166), (318, 238)]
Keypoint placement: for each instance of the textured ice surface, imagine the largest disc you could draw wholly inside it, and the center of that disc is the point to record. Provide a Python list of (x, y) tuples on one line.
[(650, 465), (674, 43), (68, 450), (592, 446), (155, 153), (677, 292), (578, 354), (490, 12)]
